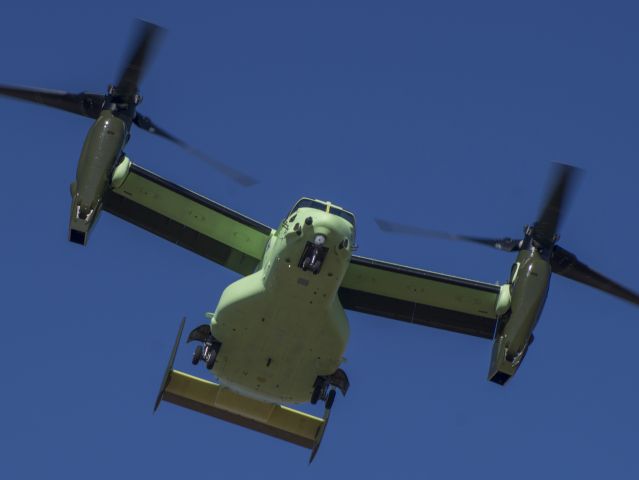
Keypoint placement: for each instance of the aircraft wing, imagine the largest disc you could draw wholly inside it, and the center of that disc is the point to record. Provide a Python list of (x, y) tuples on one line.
[(419, 296), (188, 220)]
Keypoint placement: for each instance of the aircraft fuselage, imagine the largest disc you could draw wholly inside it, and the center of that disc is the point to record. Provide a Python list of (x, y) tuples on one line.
[(283, 326)]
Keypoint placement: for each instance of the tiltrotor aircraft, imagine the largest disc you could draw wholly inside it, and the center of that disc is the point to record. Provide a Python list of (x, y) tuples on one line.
[(255, 343)]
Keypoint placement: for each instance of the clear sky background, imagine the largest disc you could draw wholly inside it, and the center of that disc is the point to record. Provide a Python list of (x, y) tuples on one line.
[(444, 115)]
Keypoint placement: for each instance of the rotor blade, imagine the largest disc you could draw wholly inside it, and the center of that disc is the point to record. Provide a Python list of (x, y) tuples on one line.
[(567, 265), (85, 104), (147, 36), (546, 226), (504, 244), (145, 123)]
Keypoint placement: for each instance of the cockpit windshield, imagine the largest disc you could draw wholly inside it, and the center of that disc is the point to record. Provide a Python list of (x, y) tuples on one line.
[(308, 203), (344, 214)]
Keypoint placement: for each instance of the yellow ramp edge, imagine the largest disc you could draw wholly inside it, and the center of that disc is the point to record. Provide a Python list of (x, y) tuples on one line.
[(211, 399)]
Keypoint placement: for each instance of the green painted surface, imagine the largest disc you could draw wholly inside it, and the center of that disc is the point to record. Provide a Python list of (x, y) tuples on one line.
[(503, 300), (530, 279), (421, 290), (281, 327), (240, 237), (211, 399), (120, 173), (102, 148)]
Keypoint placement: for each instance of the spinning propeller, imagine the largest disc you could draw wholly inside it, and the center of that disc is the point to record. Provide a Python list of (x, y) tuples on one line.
[(542, 235), (123, 98)]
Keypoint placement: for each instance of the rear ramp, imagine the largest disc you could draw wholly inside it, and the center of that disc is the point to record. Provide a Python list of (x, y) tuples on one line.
[(216, 401)]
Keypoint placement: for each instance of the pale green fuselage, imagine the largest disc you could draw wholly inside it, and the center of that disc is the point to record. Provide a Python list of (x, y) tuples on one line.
[(281, 327)]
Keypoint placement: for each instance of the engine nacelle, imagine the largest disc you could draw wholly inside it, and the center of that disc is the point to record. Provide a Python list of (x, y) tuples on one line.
[(97, 168), (525, 296)]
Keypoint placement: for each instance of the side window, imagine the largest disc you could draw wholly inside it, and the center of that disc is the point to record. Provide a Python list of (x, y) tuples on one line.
[(301, 204), (306, 203), (344, 214)]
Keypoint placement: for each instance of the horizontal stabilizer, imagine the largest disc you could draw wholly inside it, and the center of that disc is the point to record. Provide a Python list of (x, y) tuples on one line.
[(211, 399)]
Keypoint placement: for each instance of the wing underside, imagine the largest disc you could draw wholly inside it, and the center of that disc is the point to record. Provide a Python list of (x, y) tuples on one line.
[(419, 296), (238, 242), (188, 220)]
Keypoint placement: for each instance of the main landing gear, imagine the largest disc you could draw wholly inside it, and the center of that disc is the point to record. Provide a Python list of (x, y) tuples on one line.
[(325, 385), (209, 349), (324, 389)]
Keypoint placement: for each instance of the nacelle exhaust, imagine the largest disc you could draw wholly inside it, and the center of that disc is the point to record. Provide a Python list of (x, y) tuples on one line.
[(81, 219)]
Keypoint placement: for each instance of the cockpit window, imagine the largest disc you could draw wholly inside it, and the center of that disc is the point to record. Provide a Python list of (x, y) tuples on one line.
[(308, 203), (344, 214)]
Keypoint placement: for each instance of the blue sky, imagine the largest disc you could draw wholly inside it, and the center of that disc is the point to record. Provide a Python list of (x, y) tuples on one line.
[(444, 115)]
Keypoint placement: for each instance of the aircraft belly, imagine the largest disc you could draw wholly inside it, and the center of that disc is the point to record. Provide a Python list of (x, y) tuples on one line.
[(274, 345)]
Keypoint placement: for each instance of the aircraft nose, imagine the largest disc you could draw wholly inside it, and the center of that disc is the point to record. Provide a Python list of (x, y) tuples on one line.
[(328, 232), (323, 235)]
